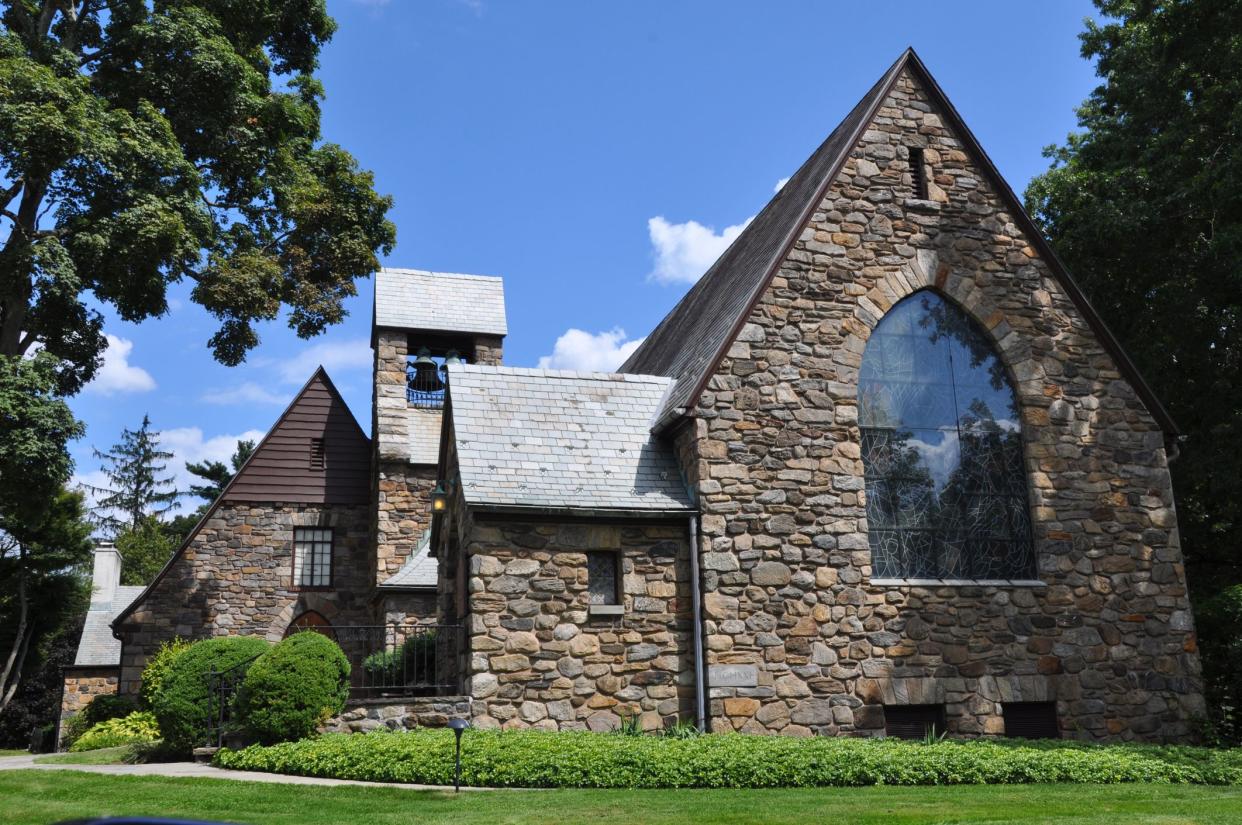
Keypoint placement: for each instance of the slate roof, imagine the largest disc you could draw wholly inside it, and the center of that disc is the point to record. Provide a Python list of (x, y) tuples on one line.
[(419, 571), (440, 301), (691, 340), (424, 427), (533, 438), (98, 646)]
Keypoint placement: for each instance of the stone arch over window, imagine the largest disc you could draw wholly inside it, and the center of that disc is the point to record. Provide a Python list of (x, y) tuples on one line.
[(941, 448)]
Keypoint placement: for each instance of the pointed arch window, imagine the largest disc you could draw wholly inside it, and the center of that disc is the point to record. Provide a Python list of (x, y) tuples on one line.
[(941, 449)]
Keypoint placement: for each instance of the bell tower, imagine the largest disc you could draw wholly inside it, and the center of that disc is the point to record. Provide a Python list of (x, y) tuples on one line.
[(423, 321)]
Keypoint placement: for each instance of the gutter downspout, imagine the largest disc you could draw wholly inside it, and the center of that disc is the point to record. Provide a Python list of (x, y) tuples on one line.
[(696, 601)]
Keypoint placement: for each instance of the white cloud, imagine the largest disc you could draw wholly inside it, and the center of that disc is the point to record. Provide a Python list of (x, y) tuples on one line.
[(334, 356), (246, 393), (116, 375), (684, 251), (582, 351)]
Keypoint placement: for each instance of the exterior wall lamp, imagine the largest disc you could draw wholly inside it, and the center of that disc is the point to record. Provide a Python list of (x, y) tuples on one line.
[(439, 498)]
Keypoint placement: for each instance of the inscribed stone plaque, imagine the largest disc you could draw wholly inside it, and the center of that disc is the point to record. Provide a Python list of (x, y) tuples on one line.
[(732, 676)]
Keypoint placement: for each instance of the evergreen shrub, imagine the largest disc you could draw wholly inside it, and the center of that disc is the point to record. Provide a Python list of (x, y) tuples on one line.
[(183, 705), (294, 688)]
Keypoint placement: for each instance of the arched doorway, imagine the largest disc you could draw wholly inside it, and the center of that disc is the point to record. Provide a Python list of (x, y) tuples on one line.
[(311, 620)]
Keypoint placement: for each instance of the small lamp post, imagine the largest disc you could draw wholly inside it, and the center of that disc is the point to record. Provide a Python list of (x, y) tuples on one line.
[(459, 727)]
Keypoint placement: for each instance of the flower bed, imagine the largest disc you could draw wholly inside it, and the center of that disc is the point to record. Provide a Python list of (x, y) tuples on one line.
[(590, 760)]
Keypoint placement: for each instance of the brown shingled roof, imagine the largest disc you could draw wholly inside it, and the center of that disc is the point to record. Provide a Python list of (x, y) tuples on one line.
[(692, 339)]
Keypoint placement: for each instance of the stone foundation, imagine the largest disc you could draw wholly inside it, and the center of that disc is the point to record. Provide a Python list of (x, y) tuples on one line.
[(399, 714)]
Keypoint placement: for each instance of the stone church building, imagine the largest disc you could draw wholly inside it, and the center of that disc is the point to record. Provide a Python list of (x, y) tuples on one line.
[(882, 468)]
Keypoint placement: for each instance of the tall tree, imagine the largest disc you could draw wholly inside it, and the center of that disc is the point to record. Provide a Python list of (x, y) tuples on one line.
[(39, 580), (144, 551), (137, 487), (1145, 206), (35, 429), (146, 143)]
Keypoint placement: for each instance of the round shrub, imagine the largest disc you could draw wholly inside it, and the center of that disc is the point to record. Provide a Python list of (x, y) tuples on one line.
[(182, 704), (294, 688), (136, 728), (157, 668)]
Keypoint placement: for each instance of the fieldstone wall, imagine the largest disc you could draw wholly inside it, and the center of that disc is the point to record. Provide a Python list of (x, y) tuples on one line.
[(800, 640), (538, 658), (406, 608), (235, 578), (402, 513), (82, 685), (403, 714), (488, 349)]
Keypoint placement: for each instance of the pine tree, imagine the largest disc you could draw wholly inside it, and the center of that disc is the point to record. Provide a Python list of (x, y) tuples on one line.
[(137, 487), (217, 473)]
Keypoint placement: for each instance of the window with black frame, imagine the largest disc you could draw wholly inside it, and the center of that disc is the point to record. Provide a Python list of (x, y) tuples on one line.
[(312, 557), (942, 449)]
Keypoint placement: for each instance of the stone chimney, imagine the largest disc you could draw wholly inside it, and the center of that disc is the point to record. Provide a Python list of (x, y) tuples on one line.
[(106, 574)]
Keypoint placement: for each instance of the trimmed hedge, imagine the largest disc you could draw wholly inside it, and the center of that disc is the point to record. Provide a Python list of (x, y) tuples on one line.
[(591, 760), (136, 728), (181, 704), (294, 688)]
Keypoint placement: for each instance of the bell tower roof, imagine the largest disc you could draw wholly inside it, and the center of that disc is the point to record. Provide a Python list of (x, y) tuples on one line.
[(439, 302)]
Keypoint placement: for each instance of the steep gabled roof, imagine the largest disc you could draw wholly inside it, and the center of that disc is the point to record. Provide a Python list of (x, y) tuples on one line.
[(292, 424), (690, 342)]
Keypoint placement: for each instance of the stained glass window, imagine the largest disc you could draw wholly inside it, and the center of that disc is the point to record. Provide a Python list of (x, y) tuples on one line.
[(941, 449)]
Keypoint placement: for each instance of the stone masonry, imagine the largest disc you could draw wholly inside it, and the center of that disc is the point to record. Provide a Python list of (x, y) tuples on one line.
[(800, 641), (540, 659), (82, 685), (235, 578)]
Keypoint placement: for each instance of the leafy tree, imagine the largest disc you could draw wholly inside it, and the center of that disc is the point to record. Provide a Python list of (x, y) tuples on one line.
[(137, 487), (146, 143), (1145, 206), (144, 551), (40, 580), (36, 703), (35, 429), (217, 474)]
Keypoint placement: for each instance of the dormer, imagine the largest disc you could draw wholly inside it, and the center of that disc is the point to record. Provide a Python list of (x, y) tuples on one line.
[(424, 320)]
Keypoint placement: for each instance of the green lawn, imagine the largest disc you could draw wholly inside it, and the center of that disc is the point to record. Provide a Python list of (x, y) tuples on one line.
[(43, 797), (14, 752), (102, 756)]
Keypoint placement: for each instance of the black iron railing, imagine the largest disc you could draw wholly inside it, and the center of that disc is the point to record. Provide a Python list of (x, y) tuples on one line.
[(222, 688), (400, 659)]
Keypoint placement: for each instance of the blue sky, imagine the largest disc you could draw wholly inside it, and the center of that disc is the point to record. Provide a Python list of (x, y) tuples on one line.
[(598, 156)]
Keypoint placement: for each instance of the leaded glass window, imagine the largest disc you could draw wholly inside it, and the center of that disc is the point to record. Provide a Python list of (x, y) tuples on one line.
[(941, 449), (602, 577)]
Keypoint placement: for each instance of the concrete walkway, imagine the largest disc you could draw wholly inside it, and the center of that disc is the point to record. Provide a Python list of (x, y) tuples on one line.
[(198, 770)]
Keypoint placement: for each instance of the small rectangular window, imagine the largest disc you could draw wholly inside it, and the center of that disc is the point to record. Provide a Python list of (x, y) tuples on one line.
[(317, 458), (1031, 720), (602, 577), (913, 721), (312, 557), (918, 173)]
